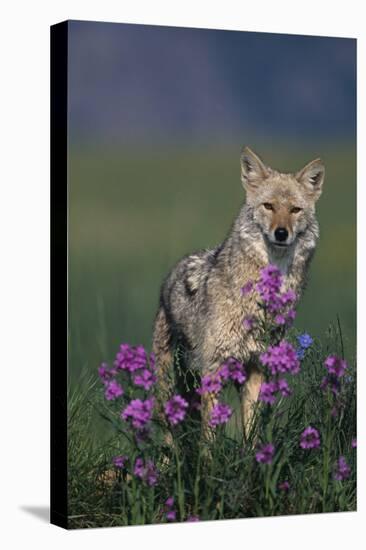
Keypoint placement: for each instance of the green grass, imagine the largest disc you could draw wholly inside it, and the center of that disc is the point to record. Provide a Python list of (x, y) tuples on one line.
[(219, 479)]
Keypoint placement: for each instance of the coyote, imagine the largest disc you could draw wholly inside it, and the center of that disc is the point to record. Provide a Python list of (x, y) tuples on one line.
[(200, 301)]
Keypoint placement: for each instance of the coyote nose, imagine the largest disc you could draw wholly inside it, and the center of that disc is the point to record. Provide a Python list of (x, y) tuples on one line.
[(281, 234)]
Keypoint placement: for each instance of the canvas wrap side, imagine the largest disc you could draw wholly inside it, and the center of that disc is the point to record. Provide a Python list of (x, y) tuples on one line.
[(59, 253)]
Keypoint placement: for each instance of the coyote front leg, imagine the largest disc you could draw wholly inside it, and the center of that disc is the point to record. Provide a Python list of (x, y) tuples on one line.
[(249, 398), (208, 401)]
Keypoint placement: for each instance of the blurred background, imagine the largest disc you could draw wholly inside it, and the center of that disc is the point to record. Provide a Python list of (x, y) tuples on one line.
[(157, 119)]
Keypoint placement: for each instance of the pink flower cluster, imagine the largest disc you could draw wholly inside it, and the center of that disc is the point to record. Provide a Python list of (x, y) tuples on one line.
[(231, 369), (170, 511), (336, 367), (342, 470), (175, 409), (212, 384), (265, 454), (279, 303), (135, 361), (113, 390), (130, 358), (220, 414), (310, 438), (138, 412), (132, 361), (146, 471), (120, 461), (281, 359), (105, 373), (269, 390)]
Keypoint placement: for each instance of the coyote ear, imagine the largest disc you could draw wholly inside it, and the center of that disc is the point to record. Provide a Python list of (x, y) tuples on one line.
[(253, 171), (312, 177)]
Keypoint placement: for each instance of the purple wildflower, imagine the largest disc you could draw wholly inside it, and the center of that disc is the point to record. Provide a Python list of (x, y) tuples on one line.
[(113, 390), (147, 472), (281, 358), (354, 443), (152, 361), (105, 373), (305, 340), (265, 454), (103, 370), (169, 502), (343, 470), (310, 438), (280, 319), (120, 461), (331, 382), (146, 379), (193, 518), (284, 486), (171, 515), (139, 412), (248, 323), (151, 474), (232, 370), (267, 391), (139, 467), (220, 414), (210, 384), (278, 303), (130, 358), (269, 284), (335, 365), (283, 387), (288, 297), (290, 316), (175, 409), (247, 288)]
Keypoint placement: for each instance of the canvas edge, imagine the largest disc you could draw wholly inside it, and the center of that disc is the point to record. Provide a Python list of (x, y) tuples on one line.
[(58, 267)]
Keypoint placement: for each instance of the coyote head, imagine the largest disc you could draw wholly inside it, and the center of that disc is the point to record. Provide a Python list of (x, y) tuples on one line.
[(283, 205)]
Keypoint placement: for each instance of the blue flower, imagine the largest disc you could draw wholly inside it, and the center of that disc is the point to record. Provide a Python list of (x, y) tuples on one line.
[(305, 340)]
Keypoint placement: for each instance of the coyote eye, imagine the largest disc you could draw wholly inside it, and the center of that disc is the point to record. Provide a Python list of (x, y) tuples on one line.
[(268, 206), (295, 210)]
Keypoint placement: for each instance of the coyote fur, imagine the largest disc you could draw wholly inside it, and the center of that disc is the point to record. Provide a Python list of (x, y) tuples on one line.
[(200, 300)]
